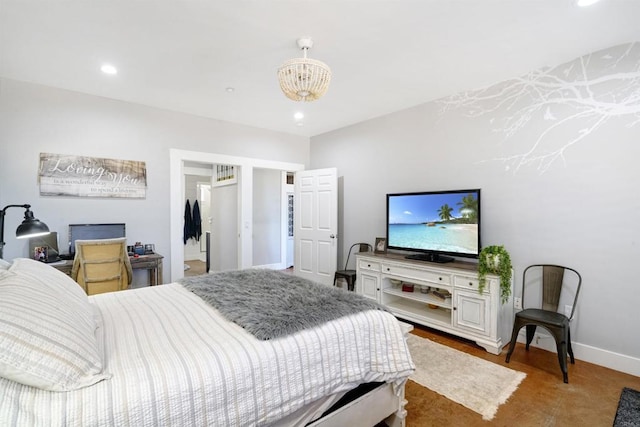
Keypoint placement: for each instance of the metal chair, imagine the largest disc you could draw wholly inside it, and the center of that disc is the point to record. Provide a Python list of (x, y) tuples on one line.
[(102, 265), (350, 275), (552, 286)]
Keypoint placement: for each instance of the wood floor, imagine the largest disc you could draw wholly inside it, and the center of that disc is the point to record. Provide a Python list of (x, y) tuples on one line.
[(542, 399), (196, 268)]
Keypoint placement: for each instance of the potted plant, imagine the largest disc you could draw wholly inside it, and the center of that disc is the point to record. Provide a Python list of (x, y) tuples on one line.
[(495, 260)]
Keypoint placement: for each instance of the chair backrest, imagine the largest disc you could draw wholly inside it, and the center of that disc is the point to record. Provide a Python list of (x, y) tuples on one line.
[(102, 265), (549, 285), (362, 247)]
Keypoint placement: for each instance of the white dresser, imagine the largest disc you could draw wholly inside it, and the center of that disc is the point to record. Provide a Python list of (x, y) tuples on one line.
[(444, 297)]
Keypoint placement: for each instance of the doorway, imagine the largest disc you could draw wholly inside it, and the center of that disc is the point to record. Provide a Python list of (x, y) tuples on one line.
[(197, 194), (178, 160), (196, 255)]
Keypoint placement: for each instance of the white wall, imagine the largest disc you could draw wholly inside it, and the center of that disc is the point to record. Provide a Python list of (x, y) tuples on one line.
[(224, 230), (555, 154), (267, 221), (36, 119)]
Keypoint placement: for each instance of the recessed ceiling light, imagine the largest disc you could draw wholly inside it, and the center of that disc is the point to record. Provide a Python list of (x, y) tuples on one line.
[(230, 89), (298, 116), (109, 69), (585, 3), (300, 124)]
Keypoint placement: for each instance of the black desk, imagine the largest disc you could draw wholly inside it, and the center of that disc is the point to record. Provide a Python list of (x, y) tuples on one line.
[(152, 262)]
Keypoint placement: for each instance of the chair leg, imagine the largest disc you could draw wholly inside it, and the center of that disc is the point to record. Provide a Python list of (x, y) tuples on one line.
[(562, 358), (531, 331), (514, 339), (569, 349), (350, 285), (561, 336), (335, 279)]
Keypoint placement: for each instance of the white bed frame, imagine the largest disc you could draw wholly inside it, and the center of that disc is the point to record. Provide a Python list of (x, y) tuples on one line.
[(380, 404)]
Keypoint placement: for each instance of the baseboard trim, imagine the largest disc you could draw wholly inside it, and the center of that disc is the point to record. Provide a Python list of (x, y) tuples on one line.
[(597, 356), (270, 266)]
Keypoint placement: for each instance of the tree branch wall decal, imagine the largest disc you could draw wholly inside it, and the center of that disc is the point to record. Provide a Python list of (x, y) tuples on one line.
[(554, 108)]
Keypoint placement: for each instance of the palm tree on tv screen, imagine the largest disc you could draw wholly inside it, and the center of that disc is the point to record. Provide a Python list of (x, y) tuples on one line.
[(445, 212), (469, 207)]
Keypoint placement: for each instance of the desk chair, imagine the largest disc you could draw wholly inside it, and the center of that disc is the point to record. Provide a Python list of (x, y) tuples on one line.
[(102, 265), (350, 275), (550, 282)]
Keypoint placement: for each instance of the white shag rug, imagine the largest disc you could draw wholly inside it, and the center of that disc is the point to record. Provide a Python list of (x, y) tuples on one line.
[(475, 383)]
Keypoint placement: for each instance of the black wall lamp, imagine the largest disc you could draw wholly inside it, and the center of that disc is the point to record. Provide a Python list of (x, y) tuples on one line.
[(30, 226)]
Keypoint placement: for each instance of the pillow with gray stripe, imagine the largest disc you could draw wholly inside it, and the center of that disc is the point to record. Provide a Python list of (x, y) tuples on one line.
[(47, 329)]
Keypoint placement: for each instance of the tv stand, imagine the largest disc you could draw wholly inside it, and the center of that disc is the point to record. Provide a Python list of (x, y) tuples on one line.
[(439, 296), (440, 259)]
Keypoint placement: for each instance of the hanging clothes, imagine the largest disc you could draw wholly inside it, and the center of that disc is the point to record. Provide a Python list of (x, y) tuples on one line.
[(197, 221), (188, 223)]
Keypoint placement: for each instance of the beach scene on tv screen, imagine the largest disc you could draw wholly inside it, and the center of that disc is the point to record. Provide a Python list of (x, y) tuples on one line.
[(445, 222)]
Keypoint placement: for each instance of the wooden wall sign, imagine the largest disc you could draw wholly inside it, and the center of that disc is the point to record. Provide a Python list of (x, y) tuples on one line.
[(80, 176)]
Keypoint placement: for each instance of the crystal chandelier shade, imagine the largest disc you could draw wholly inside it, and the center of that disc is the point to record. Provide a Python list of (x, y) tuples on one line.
[(304, 79)]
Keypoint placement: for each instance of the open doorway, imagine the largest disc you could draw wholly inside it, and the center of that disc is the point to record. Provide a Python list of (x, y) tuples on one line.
[(196, 253), (197, 202), (211, 195), (243, 229)]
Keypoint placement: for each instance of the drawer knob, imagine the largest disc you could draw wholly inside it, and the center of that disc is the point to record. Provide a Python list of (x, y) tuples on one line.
[(470, 283), (368, 265), (439, 278)]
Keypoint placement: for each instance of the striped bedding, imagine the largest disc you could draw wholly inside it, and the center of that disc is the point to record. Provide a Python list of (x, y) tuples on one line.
[(175, 360)]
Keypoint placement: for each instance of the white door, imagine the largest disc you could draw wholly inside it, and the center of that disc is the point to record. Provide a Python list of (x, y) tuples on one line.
[(289, 232), (316, 224)]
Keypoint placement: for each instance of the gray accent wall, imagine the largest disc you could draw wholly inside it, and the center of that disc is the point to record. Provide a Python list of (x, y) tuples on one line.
[(35, 119), (555, 153)]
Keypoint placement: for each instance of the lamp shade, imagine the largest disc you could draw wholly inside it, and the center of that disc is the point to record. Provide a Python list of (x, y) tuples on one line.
[(304, 79), (31, 227)]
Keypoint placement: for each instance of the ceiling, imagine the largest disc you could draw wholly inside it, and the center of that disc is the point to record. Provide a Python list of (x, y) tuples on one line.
[(385, 55)]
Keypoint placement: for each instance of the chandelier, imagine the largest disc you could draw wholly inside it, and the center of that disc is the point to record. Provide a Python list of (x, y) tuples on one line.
[(304, 79)]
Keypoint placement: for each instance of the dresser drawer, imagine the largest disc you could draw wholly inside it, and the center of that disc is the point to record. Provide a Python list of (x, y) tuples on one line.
[(467, 282), (365, 264), (414, 274)]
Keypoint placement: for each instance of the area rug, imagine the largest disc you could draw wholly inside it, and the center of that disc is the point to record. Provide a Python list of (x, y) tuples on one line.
[(475, 383), (628, 414)]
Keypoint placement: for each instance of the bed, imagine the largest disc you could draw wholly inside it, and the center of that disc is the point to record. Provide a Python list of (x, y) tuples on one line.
[(164, 356)]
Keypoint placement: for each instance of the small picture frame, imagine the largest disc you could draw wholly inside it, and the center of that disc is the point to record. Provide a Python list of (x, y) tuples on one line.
[(380, 246), (41, 253)]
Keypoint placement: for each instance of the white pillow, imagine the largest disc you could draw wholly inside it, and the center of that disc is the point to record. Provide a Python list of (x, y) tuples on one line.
[(4, 264), (47, 329)]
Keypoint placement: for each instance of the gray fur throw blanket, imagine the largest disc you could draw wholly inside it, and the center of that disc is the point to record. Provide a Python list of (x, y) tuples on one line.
[(271, 304)]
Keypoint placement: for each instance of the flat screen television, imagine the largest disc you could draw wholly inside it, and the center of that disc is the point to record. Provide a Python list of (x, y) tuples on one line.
[(438, 225), (94, 231)]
